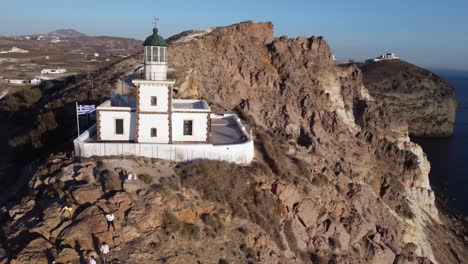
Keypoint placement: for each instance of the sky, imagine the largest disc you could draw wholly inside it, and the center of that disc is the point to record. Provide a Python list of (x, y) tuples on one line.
[(429, 33)]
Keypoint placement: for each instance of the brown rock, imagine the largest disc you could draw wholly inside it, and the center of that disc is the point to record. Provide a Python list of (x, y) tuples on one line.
[(87, 193), (68, 255), (35, 252)]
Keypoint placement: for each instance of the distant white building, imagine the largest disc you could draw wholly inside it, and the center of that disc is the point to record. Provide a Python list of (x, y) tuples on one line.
[(14, 50), (387, 56), (154, 124), (55, 40), (53, 71), (35, 81), (17, 81), (96, 54)]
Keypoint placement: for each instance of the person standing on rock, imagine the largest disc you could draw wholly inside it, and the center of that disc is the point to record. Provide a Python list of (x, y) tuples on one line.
[(69, 209), (92, 260), (110, 221), (105, 253)]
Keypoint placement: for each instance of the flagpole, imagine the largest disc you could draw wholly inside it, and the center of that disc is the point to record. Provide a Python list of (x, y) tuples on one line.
[(77, 119)]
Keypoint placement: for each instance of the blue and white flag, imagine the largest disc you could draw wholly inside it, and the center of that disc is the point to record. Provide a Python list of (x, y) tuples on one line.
[(85, 109)]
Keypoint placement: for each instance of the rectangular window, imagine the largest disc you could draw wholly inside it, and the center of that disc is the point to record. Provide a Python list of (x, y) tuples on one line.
[(188, 125), (148, 54), (163, 54), (154, 132), (154, 101), (155, 54), (119, 129)]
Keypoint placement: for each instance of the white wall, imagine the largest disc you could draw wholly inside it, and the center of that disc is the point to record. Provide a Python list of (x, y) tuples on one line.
[(107, 120), (242, 153), (199, 126), (155, 71), (160, 91), (158, 121)]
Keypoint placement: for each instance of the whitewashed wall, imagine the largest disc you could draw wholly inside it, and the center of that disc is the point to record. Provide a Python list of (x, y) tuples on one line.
[(158, 121), (107, 120), (160, 91), (156, 71), (199, 126), (242, 153)]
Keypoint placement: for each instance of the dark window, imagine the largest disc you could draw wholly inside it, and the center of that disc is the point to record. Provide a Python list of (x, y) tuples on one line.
[(119, 130), (188, 124), (154, 132), (148, 54), (154, 101), (155, 54)]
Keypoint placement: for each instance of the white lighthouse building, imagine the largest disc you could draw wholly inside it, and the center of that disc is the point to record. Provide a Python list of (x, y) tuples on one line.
[(154, 122), (154, 116)]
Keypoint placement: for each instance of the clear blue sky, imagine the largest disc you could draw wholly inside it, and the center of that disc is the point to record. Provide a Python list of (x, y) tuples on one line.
[(429, 33)]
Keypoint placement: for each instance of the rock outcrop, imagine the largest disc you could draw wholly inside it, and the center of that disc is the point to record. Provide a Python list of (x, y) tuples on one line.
[(409, 94), (335, 179)]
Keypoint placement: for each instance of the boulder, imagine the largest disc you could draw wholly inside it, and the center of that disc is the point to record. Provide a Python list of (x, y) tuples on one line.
[(68, 255), (308, 212), (35, 252), (87, 193)]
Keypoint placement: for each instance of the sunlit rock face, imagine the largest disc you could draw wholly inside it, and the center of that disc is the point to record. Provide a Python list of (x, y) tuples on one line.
[(425, 101), (335, 177)]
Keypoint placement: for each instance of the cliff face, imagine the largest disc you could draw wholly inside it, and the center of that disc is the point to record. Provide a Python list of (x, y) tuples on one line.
[(413, 95), (334, 179)]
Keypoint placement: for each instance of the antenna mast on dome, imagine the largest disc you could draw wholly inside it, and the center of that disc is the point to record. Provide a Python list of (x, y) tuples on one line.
[(155, 21)]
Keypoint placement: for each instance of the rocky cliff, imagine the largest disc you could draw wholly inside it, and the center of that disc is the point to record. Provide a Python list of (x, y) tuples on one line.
[(409, 94), (335, 179)]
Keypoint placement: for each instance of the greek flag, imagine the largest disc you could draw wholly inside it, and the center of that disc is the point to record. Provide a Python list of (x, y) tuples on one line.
[(85, 109)]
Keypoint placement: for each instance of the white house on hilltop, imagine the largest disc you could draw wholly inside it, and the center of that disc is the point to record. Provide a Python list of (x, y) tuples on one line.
[(387, 56), (154, 124)]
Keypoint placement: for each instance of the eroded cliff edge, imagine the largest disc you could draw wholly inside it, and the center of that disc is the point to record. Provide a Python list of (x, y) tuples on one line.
[(334, 178), (425, 101)]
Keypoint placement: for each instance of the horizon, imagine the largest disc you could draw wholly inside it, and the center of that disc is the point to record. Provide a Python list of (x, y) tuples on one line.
[(427, 35)]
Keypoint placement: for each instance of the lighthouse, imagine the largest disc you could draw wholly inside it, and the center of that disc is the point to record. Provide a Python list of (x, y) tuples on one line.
[(155, 57), (154, 124)]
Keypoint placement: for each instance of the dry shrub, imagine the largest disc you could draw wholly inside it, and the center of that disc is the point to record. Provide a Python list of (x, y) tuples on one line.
[(171, 225), (146, 178), (288, 168), (234, 186), (110, 181), (292, 242), (22, 99), (213, 222)]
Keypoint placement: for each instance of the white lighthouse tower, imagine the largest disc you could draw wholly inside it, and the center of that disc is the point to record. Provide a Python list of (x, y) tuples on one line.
[(154, 94), (155, 57)]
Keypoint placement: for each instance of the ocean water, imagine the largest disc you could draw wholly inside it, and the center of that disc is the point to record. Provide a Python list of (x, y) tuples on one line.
[(449, 156)]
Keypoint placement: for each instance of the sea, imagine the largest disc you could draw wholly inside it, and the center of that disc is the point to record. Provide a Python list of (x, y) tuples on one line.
[(449, 156)]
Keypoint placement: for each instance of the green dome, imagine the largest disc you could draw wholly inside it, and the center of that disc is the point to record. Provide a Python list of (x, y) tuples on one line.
[(155, 40)]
